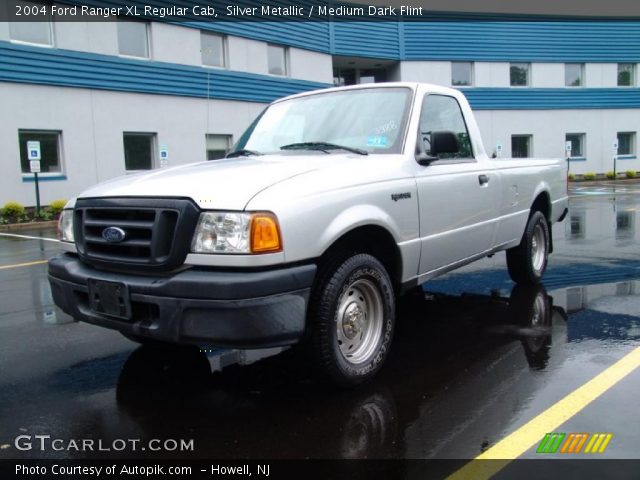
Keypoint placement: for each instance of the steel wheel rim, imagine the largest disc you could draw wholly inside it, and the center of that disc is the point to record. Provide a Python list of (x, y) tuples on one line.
[(538, 248), (359, 322)]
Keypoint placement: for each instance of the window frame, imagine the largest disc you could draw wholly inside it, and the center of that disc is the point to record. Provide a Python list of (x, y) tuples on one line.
[(147, 25), (51, 30), (59, 153), (229, 139), (445, 161), (471, 74), (583, 144), (632, 145), (225, 49), (529, 70), (530, 144), (154, 150), (285, 56), (632, 77), (583, 74)]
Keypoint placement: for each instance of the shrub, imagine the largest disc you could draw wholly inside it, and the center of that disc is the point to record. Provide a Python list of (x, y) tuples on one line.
[(572, 176), (12, 211), (589, 176), (611, 175), (56, 207), (44, 215), (630, 173)]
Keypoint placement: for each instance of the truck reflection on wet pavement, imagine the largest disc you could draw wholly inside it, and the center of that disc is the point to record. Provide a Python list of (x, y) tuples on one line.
[(473, 359)]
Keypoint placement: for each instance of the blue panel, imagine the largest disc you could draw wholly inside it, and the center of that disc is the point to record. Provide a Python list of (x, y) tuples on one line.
[(523, 41), (25, 64), (367, 39), (307, 35), (551, 98)]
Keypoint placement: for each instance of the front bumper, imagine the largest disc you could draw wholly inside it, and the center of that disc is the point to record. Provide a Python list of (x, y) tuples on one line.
[(248, 309)]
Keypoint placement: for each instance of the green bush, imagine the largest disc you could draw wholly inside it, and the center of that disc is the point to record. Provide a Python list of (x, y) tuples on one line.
[(571, 176), (589, 176), (631, 173), (56, 207), (44, 215), (611, 175), (12, 211)]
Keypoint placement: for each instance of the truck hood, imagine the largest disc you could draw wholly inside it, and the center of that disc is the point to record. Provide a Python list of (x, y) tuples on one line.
[(221, 184)]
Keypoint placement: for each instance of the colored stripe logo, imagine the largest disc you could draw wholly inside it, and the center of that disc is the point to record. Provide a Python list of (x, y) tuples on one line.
[(574, 443)]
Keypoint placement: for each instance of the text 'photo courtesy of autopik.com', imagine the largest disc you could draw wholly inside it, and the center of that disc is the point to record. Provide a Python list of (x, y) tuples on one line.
[(320, 240)]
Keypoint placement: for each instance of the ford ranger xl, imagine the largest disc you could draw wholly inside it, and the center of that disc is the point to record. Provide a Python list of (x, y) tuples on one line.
[(329, 206)]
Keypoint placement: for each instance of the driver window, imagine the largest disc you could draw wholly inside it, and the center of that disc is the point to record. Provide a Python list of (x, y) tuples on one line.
[(440, 112)]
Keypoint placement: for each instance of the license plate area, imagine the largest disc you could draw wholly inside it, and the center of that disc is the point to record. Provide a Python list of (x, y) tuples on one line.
[(109, 298)]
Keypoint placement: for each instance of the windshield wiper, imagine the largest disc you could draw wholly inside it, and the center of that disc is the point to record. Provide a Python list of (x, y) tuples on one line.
[(242, 153), (322, 146)]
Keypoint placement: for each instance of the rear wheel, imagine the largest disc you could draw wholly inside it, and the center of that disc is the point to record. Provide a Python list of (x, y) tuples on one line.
[(352, 317), (528, 261)]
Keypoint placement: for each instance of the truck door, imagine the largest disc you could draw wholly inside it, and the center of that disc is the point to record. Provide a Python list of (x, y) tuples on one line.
[(457, 193)]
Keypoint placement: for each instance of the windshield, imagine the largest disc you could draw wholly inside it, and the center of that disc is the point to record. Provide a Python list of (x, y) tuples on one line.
[(371, 119)]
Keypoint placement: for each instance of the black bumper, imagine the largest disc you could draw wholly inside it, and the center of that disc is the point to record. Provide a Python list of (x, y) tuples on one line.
[(196, 306)]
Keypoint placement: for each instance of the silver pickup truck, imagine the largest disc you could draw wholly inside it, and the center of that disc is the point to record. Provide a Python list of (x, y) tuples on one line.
[(329, 206)]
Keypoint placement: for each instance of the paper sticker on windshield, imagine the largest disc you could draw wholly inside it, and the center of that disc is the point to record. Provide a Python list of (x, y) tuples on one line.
[(377, 141)]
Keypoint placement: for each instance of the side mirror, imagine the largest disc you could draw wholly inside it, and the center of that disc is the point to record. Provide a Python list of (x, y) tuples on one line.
[(444, 141)]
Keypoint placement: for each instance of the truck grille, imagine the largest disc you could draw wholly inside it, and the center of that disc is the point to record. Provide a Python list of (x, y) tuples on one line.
[(156, 232)]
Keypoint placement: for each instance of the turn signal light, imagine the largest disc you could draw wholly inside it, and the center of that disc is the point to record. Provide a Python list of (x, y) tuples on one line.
[(265, 234)]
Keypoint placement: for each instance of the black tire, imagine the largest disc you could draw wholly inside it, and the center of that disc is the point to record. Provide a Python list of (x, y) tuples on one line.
[(352, 318), (528, 261)]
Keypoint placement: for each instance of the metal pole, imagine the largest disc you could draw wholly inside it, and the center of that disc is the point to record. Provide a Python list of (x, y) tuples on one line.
[(37, 195)]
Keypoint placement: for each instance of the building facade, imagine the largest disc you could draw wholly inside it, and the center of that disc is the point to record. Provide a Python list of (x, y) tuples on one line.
[(111, 98)]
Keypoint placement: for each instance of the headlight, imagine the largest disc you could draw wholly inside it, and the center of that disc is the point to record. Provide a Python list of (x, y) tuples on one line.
[(234, 232), (65, 226)]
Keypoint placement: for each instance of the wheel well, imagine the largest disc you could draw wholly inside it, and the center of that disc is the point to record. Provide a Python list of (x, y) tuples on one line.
[(371, 239), (542, 203)]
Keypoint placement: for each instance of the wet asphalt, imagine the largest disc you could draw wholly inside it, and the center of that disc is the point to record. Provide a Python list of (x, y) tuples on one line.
[(474, 358)]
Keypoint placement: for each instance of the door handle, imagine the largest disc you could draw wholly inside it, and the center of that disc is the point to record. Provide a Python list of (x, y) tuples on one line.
[(483, 179)]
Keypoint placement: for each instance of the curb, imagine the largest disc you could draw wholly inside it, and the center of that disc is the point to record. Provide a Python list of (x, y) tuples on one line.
[(29, 225)]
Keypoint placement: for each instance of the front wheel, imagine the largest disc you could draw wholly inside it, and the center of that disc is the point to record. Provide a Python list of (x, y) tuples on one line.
[(352, 317), (528, 261)]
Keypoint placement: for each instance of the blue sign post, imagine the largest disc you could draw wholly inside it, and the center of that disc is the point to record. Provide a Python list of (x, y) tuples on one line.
[(34, 156)]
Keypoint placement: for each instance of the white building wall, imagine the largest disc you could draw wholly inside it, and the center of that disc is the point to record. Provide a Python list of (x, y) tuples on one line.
[(546, 75), (438, 73), (490, 74), (549, 127), (312, 66), (92, 124)]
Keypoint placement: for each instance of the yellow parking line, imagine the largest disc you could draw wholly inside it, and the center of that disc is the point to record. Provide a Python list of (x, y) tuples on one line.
[(28, 264), (517, 443)]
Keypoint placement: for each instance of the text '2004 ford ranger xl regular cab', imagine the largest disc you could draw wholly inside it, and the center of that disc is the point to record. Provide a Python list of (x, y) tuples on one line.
[(330, 205)]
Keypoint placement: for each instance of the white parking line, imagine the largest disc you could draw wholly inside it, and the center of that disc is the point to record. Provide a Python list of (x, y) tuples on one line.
[(29, 237)]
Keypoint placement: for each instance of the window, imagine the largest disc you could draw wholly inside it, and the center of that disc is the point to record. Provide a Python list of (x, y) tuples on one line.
[(625, 224), (626, 74), (440, 112), (521, 146), (626, 143), (32, 32), (574, 74), (217, 146), (49, 150), (139, 150), (519, 74), (461, 74), (133, 40), (212, 47), (577, 144), (277, 60)]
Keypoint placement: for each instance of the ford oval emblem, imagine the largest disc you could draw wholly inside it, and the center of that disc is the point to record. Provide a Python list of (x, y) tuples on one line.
[(113, 234)]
